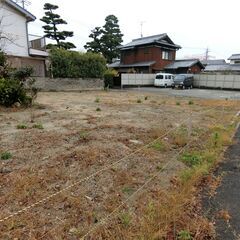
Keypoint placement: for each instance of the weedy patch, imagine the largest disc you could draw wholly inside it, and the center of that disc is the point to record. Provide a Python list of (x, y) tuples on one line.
[(190, 102), (159, 146), (128, 190), (97, 100), (38, 126), (22, 126), (98, 109), (139, 101), (146, 98), (125, 218), (6, 156), (184, 235), (178, 103), (191, 159), (83, 135)]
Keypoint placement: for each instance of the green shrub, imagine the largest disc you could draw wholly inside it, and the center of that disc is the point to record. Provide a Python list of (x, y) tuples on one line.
[(12, 91), (98, 109), (71, 64), (190, 102), (108, 78), (16, 86), (139, 101)]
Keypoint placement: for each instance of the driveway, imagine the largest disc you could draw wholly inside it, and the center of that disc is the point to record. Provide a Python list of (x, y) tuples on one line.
[(199, 93)]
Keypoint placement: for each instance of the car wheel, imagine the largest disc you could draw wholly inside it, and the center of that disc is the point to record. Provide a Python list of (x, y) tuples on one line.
[(165, 85)]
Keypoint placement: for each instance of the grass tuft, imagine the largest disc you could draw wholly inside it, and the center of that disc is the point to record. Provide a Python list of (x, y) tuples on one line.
[(6, 156)]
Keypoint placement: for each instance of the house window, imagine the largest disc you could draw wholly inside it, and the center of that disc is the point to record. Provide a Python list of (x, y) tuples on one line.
[(166, 55)]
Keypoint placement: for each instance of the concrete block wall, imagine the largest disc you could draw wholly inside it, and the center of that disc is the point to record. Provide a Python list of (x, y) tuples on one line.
[(217, 81), (138, 79), (68, 84)]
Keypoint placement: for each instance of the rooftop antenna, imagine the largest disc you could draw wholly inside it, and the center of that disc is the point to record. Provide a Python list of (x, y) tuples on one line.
[(24, 3), (141, 23)]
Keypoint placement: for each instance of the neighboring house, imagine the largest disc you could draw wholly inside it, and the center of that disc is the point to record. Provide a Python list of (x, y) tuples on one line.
[(14, 39), (184, 66), (146, 55), (213, 62), (223, 68), (234, 59)]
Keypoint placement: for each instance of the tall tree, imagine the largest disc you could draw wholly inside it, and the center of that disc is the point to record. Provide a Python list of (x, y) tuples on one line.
[(95, 45), (111, 38), (51, 30), (106, 39)]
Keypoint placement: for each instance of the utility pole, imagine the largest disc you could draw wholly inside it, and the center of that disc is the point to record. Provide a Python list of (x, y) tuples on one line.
[(207, 54)]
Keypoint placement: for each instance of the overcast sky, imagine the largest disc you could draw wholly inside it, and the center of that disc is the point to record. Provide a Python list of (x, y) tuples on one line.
[(195, 25)]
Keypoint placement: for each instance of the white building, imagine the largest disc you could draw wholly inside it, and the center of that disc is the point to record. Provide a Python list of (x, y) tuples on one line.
[(14, 38)]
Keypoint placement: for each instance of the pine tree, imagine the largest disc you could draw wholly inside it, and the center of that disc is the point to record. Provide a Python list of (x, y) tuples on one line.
[(95, 45), (107, 39), (51, 31), (111, 38)]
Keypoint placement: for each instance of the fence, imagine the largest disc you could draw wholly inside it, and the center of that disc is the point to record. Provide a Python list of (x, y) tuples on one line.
[(138, 79), (200, 80), (217, 81)]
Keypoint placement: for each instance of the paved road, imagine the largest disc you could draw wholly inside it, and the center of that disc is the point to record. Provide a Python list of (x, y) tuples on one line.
[(199, 93), (228, 195)]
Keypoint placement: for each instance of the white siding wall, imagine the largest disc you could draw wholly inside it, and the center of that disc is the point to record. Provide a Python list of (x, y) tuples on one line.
[(13, 25)]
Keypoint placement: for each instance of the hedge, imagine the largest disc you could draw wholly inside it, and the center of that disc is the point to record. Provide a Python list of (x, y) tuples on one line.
[(70, 64)]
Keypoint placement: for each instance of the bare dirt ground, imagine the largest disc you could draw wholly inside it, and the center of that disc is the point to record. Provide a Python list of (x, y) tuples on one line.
[(70, 136)]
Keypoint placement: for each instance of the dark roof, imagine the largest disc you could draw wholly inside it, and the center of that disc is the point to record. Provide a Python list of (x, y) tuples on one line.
[(162, 39), (224, 67), (213, 62), (30, 17), (139, 64), (185, 63), (234, 57)]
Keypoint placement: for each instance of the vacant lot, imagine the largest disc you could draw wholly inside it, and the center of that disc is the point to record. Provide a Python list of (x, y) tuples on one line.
[(67, 137)]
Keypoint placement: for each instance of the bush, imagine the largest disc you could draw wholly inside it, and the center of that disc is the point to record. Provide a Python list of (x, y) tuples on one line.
[(108, 78), (16, 86), (11, 91), (71, 64)]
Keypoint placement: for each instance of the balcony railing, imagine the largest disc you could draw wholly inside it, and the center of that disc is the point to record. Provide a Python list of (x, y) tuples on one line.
[(37, 42)]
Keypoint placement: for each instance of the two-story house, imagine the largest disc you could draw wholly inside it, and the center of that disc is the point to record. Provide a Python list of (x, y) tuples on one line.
[(146, 55), (14, 38)]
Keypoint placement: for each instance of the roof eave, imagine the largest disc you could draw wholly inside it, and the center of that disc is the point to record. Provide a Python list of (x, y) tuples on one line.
[(30, 17)]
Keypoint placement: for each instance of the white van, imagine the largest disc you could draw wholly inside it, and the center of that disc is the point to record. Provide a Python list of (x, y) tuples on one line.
[(163, 80)]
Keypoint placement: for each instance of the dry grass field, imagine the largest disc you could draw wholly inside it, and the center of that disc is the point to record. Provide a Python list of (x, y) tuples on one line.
[(47, 153)]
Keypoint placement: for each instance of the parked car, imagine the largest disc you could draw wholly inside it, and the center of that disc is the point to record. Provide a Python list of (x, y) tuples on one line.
[(163, 80), (183, 81)]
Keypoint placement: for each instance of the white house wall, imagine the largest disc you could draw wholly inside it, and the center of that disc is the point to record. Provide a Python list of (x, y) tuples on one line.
[(13, 25)]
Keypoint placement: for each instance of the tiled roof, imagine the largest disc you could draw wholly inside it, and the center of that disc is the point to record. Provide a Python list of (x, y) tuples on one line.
[(160, 38), (139, 64), (185, 63), (234, 57), (213, 62), (223, 67)]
